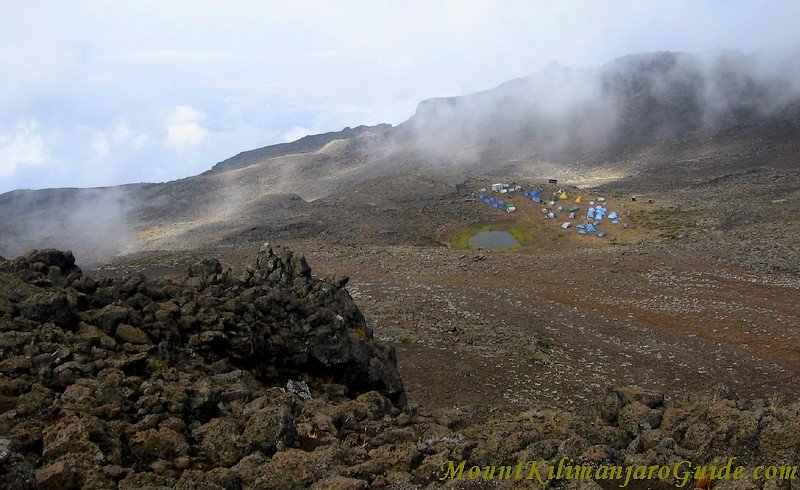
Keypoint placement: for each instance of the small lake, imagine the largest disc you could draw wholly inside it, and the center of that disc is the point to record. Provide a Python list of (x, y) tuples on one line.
[(493, 239)]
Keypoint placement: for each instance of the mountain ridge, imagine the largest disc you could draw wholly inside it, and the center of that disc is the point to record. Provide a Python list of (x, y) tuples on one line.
[(630, 122)]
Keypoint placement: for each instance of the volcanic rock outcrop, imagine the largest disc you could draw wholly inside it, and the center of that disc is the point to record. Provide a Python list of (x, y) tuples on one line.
[(118, 372), (270, 378)]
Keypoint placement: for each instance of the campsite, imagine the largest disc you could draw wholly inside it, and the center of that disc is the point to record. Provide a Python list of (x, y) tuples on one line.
[(543, 216)]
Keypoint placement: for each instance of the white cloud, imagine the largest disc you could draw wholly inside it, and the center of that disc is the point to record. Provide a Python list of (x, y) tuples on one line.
[(183, 128), (176, 55), (122, 133), (99, 144), (140, 140), (24, 146), (295, 133), (102, 142)]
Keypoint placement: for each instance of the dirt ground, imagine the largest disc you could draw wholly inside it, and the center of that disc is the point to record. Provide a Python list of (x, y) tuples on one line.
[(512, 329), (507, 330)]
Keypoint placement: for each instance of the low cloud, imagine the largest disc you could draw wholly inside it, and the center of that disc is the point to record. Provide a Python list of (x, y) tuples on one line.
[(23, 146), (102, 142), (183, 128)]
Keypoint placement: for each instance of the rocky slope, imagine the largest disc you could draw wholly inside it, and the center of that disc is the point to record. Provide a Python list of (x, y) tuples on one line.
[(266, 377)]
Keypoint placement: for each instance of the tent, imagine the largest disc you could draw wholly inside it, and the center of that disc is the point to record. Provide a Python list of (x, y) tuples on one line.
[(578, 199), (590, 228), (613, 215), (571, 215), (590, 213), (566, 225), (511, 209), (563, 196), (601, 234), (482, 196), (551, 215), (573, 209), (581, 226), (560, 208), (495, 205), (536, 199), (581, 232), (615, 222), (500, 202)]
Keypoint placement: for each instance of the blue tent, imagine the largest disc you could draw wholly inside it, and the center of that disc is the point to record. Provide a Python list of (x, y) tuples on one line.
[(535, 193), (495, 205), (615, 222), (482, 196), (581, 232), (500, 202), (491, 199), (601, 234), (590, 213), (581, 226), (487, 201), (597, 223), (590, 228), (536, 199), (613, 215)]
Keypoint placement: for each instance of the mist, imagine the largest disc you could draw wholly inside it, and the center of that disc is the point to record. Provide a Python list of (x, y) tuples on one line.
[(97, 94), (563, 114), (94, 224)]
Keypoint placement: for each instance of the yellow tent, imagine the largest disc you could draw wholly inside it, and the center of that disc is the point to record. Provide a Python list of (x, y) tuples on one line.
[(563, 195), (578, 200)]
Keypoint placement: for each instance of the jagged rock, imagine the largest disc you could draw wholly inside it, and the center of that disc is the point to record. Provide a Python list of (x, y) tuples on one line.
[(15, 472), (48, 306), (269, 426), (108, 317), (299, 388), (637, 417), (56, 476), (128, 333), (340, 483), (222, 441), (151, 445)]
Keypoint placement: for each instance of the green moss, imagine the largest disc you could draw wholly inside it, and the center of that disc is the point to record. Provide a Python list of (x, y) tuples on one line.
[(157, 365), (359, 331)]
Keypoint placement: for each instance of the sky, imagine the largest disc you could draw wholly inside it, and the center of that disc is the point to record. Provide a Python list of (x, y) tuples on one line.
[(97, 93)]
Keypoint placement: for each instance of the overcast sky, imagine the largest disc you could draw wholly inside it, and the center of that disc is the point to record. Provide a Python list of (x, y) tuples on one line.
[(102, 93)]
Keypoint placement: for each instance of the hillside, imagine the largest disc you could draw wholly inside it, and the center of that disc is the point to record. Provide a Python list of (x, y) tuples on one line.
[(645, 122)]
